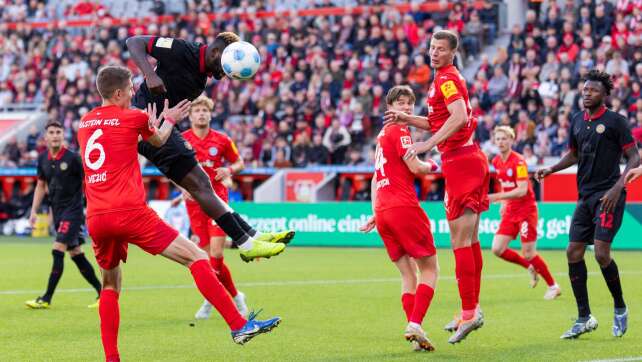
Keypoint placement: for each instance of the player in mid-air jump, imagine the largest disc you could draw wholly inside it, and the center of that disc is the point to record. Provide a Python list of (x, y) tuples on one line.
[(117, 212), (518, 212), (598, 138), (400, 220), (465, 170), (184, 67), (60, 172)]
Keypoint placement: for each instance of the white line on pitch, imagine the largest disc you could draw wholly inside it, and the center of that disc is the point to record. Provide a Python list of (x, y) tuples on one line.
[(625, 359), (288, 283)]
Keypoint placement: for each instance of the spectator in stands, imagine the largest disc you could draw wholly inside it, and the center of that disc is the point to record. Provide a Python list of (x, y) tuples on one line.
[(471, 35), (336, 139), (497, 85), (434, 192), (560, 143), (489, 15), (319, 153)]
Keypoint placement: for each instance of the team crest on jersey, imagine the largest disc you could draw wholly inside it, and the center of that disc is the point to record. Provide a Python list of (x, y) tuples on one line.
[(510, 172), (63, 166), (213, 151), (406, 141), (600, 128), (188, 146)]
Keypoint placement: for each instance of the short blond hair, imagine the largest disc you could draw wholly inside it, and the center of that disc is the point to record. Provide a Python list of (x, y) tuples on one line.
[(506, 130), (202, 101)]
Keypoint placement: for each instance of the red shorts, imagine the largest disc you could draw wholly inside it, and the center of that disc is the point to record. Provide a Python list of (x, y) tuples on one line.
[(202, 226), (405, 231), (112, 232), (525, 226), (467, 178)]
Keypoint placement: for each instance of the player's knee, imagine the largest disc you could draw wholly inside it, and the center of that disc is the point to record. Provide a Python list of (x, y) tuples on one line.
[(603, 258), (75, 251), (498, 250), (198, 254), (59, 246), (573, 254), (528, 254)]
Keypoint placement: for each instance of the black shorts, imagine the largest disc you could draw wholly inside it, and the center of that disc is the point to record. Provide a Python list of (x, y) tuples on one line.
[(174, 159), (70, 230), (591, 223)]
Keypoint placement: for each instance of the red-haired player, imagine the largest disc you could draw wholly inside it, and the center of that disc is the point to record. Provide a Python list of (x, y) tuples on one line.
[(465, 170), (519, 212)]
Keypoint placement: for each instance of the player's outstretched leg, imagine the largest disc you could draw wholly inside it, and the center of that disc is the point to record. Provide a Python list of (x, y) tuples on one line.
[(187, 253), (86, 270), (612, 279), (271, 237), (500, 249), (197, 183), (57, 267), (428, 272), (578, 276)]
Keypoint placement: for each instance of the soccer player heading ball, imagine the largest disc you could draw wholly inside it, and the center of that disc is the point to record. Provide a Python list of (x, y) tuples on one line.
[(518, 212), (465, 170), (181, 73), (117, 212), (400, 220), (598, 139)]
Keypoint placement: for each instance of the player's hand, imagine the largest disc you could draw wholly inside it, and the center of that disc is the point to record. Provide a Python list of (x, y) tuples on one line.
[(186, 196), (542, 173), (176, 201), (222, 173), (155, 84), (392, 116), (369, 225), (610, 198), (153, 120), (633, 174), (33, 217), (417, 148), (493, 197), (177, 112)]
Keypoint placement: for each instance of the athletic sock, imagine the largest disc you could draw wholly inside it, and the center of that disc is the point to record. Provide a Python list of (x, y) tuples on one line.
[(542, 269), (109, 321), (228, 223), (465, 273), (244, 225), (479, 264), (577, 274), (224, 275), (423, 297), (612, 278), (513, 257), (87, 271), (215, 293), (56, 272), (408, 304)]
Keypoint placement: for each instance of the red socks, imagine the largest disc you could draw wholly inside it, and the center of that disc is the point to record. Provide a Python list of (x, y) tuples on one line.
[(408, 303), (224, 275), (423, 297), (479, 263), (542, 269), (513, 257), (215, 293), (465, 273), (109, 321)]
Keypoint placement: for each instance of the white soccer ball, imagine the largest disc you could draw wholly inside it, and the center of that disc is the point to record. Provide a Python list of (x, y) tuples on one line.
[(240, 60)]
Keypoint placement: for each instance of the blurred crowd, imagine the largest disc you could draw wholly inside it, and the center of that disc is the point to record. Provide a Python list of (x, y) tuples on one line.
[(534, 84), (317, 99)]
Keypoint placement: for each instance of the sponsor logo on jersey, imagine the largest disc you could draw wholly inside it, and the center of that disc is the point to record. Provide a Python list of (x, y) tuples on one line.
[(213, 151), (600, 128), (63, 166), (406, 141), (522, 171), (448, 89), (164, 43)]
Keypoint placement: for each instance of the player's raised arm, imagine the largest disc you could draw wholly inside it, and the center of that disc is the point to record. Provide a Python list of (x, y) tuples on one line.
[(139, 47), (454, 123), (392, 116), (419, 167), (171, 115)]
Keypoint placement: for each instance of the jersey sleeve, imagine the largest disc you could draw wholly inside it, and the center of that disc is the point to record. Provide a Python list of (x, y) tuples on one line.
[(520, 170), (572, 140), (450, 87), (231, 153), (39, 170), (625, 138), (78, 166), (142, 124), (165, 49)]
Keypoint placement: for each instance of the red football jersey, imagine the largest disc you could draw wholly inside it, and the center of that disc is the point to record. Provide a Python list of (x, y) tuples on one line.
[(395, 183), (447, 87), (508, 173), (108, 139), (212, 152)]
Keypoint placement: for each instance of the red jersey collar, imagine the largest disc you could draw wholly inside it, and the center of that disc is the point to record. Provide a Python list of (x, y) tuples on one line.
[(201, 59), (59, 155), (446, 68), (597, 115), (207, 135)]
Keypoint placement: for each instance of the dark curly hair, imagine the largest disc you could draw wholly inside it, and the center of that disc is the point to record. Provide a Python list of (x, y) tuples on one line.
[(602, 77)]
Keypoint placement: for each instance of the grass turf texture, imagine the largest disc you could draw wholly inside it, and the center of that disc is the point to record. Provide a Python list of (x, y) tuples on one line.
[(336, 305)]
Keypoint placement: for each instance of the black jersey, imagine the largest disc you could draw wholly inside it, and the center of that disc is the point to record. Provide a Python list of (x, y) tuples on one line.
[(181, 66), (64, 177), (600, 141)]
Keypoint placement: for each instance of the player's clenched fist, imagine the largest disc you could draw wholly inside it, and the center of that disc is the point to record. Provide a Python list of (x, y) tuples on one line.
[(542, 173)]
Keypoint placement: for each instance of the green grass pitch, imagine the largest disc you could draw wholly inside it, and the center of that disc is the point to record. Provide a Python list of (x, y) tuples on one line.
[(336, 304)]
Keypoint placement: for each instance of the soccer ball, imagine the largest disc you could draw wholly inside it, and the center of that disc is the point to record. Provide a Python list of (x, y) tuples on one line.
[(240, 60)]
